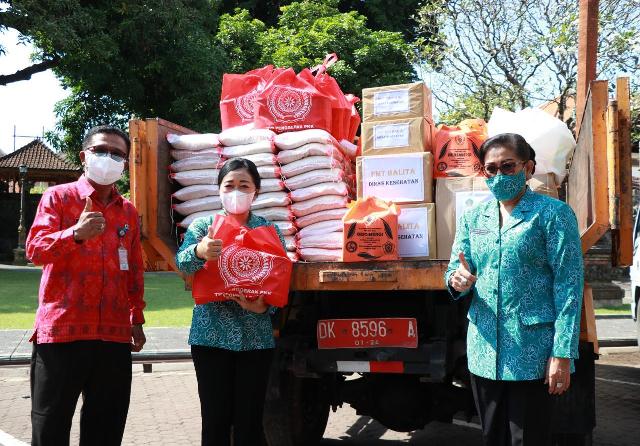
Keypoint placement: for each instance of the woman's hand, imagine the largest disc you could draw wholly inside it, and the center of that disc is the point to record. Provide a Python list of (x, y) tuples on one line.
[(209, 248), (255, 306), (462, 280), (558, 375)]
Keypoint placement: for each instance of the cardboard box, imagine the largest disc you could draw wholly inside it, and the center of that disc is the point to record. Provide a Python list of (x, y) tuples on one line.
[(397, 136), (417, 231), (544, 184), (403, 179), (455, 195), (397, 102)]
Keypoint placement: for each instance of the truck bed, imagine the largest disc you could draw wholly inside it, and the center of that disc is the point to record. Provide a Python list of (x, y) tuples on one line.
[(392, 275)]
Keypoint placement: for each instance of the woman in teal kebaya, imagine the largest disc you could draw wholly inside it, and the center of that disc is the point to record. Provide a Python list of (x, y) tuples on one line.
[(231, 341), (519, 259)]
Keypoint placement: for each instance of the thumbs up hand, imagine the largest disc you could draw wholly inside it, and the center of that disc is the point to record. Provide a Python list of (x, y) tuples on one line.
[(462, 280), (209, 248), (90, 224)]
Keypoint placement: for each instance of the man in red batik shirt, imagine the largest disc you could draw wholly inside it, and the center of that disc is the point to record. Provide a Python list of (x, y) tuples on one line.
[(89, 316)]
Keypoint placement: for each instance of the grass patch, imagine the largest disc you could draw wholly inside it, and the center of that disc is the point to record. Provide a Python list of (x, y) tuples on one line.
[(168, 304), (624, 309)]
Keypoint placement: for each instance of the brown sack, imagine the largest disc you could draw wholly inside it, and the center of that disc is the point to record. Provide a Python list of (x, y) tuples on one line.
[(370, 231), (456, 152)]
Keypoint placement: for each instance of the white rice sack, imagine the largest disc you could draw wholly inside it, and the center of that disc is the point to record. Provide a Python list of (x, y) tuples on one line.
[(290, 242), (314, 177), (310, 163), (320, 255), (271, 185), (286, 227), (189, 207), (318, 190), (271, 199), (240, 151), (269, 172), (196, 164), (293, 256), (312, 149), (190, 177), (196, 191), (333, 214), (191, 218), (325, 241), (244, 134), (204, 153), (261, 159), (193, 142), (318, 204), (275, 214), (321, 228), (292, 140)]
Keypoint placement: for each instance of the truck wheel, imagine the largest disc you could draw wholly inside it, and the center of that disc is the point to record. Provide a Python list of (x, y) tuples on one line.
[(296, 411)]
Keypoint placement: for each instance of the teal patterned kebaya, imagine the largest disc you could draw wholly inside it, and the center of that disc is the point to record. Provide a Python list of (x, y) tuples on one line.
[(223, 324), (527, 300)]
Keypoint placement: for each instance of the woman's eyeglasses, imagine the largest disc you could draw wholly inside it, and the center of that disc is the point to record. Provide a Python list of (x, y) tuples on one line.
[(107, 151), (507, 168)]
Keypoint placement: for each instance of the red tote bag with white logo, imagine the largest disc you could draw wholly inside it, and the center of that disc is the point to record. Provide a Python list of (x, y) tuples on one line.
[(239, 93), (290, 103), (252, 264)]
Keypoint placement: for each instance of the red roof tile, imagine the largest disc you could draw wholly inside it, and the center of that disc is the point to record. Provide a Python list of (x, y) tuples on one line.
[(36, 155)]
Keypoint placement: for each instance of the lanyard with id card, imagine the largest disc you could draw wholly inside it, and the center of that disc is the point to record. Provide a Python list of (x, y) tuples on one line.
[(123, 255)]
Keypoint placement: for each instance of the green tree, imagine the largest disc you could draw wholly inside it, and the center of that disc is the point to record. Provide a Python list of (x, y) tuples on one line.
[(306, 32), (126, 58), (380, 16)]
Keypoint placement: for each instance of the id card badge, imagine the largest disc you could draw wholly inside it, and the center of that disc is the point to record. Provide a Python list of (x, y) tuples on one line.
[(123, 258)]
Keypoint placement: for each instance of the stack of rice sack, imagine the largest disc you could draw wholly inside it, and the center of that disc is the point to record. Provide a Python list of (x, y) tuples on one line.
[(319, 175), (273, 201), (198, 159)]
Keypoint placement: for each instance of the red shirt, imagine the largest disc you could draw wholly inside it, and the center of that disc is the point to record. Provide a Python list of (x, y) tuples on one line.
[(83, 292)]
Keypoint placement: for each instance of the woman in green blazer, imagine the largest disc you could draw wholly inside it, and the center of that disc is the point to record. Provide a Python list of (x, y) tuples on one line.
[(519, 259)]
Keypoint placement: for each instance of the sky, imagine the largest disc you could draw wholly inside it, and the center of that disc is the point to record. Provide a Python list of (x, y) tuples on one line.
[(26, 104)]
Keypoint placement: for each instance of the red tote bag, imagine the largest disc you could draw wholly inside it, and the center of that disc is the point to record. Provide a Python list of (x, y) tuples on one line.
[(291, 103), (252, 263), (239, 93)]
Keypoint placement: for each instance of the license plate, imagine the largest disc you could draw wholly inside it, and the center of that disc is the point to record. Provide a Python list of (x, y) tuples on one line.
[(367, 333)]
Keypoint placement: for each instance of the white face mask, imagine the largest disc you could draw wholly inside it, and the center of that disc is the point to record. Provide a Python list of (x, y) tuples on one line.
[(237, 202), (102, 169)]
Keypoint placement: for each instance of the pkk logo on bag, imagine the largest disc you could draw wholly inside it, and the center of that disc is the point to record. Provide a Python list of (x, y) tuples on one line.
[(242, 266), (244, 104), (288, 104)]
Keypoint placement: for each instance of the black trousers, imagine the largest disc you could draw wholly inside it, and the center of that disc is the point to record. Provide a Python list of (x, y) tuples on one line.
[(232, 387), (60, 372), (513, 413)]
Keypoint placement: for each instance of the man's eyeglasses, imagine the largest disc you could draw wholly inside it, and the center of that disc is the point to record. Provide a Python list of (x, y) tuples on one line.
[(107, 151), (507, 168)]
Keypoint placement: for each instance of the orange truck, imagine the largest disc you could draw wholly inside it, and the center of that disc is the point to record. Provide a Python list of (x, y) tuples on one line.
[(385, 337)]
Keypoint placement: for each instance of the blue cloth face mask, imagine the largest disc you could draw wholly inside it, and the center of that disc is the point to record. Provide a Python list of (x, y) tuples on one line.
[(506, 187)]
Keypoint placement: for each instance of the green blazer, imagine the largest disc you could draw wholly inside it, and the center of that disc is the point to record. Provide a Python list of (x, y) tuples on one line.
[(526, 303)]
